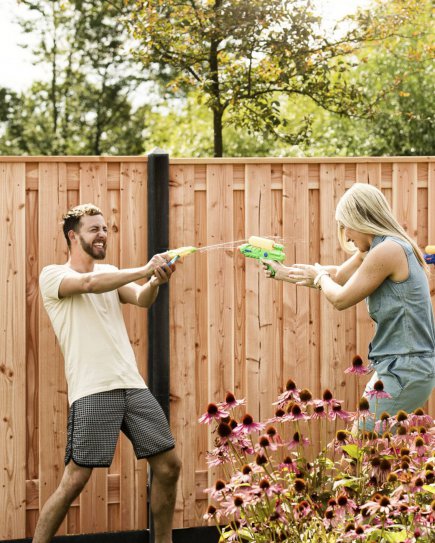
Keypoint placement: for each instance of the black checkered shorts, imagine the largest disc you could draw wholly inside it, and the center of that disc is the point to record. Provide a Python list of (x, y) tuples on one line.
[(94, 423)]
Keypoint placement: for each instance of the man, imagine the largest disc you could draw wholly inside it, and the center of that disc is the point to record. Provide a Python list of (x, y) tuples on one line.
[(106, 393)]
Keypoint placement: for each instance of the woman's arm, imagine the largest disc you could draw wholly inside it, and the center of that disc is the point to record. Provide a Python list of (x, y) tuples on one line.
[(340, 274), (386, 260)]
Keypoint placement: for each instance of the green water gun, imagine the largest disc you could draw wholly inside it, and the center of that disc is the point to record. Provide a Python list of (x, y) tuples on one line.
[(263, 248)]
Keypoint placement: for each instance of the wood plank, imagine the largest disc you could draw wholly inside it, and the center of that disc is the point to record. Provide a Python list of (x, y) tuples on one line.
[(405, 196), (264, 373), (240, 377), (53, 403), (334, 355), (296, 340), (13, 351), (202, 395), (225, 160), (133, 253), (182, 338), (220, 285), (93, 499), (32, 364), (113, 217), (372, 174)]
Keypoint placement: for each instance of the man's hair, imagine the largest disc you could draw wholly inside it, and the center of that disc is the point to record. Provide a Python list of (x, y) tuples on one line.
[(71, 219)]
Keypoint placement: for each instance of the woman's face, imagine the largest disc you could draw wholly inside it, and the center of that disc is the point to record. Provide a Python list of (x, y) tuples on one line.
[(360, 240)]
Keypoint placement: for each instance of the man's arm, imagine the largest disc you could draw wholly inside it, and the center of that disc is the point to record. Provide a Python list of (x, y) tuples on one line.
[(105, 281), (145, 295)]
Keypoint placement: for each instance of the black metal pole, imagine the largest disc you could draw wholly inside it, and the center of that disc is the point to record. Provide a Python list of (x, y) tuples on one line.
[(158, 314)]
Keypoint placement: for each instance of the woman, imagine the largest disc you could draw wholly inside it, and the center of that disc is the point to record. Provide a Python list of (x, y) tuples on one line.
[(388, 269)]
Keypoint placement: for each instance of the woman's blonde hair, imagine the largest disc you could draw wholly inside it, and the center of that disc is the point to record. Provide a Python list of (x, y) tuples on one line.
[(365, 209)]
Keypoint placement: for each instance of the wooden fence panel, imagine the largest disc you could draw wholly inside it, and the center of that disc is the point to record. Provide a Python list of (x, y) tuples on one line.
[(52, 201), (230, 327), (13, 351), (93, 189), (133, 253)]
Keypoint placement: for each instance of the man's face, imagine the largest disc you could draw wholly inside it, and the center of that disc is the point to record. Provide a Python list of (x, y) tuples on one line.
[(93, 236)]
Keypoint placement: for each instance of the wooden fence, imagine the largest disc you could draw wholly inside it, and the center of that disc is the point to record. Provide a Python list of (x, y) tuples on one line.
[(231, 329)]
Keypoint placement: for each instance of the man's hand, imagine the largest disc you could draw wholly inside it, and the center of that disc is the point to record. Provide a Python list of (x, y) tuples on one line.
[(156, 263), (162, 274)]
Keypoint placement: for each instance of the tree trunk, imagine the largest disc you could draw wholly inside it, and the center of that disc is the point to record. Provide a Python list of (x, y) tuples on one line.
[(217, 133)]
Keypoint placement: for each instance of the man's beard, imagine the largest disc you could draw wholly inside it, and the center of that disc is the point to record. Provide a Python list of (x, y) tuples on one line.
[(94, 252)]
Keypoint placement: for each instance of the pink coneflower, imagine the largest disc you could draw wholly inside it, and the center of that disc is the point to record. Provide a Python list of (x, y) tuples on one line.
[(328, 398), (217, 456), (273, 435), (357, 367), (231, 402), (318, 411), (244, 445), (338, 412), (296, 413), (355, 533), (217, 492), (419, 418), (384, 423), (279, 416), (224, 431), (291, 393), (279, 515), (330, 519), (345, 504), (383, 506), (288, 465), (248, 425), (264, 444), (268, 488), (297, 440), (233, 505), (420, 446), (364, 408), (212, 514), (302, 510), (378, 391), (305, 396), (214, 412)]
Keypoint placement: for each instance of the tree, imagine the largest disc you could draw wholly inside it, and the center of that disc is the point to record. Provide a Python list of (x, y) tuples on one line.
[(401, 75), (85, 101), (244, 56)]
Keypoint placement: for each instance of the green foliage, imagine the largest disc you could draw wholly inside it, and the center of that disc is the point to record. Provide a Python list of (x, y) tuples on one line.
[(243, 56), (399, 79), (83, 107)]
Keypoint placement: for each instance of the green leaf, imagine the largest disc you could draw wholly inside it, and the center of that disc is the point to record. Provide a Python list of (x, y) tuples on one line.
[(350, 483), (353, 451), (388, 537), (429, 488)]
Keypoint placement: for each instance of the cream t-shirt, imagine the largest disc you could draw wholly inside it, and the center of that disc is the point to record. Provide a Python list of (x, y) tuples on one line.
[(92, 335)]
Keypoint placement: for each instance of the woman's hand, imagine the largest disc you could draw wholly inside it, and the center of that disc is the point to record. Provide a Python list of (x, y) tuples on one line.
[(303, 274), (281, 271)]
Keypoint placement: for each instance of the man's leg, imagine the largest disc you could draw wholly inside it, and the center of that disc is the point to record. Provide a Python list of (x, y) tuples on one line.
[(56, 507), (166, 469)]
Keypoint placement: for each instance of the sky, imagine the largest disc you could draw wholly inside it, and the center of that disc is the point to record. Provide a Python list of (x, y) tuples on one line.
[(17, 71)]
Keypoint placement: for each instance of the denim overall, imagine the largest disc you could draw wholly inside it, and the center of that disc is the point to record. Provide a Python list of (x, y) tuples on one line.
[(402, 351)]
